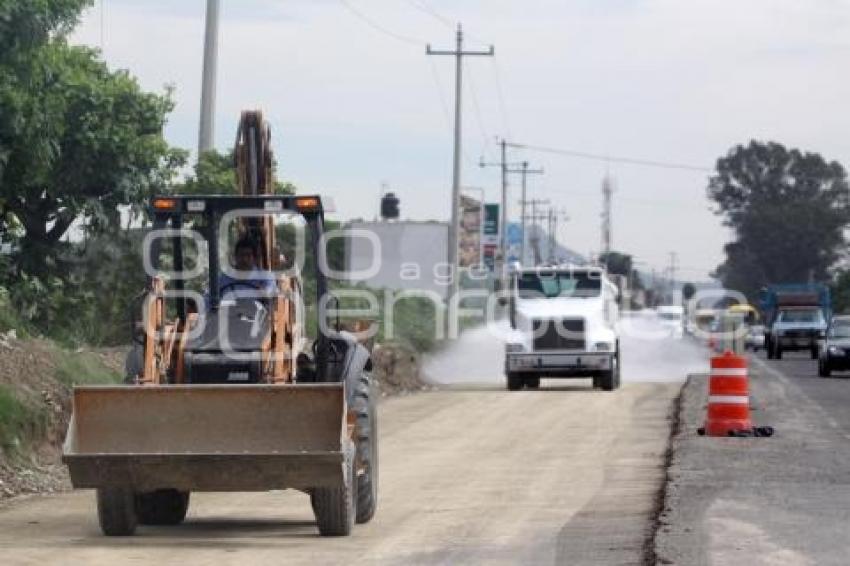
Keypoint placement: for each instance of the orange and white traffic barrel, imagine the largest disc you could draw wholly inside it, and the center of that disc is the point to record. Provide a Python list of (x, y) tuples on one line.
[(728, 396)]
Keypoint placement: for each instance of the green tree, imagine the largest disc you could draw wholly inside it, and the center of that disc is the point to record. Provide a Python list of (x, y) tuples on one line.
[(788, 210), (215, 174), (688, 291), (86, 141)]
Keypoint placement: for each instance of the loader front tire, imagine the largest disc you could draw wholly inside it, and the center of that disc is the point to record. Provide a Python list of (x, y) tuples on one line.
[(367, 449), (334, 507), (116, 511), (162, 507)]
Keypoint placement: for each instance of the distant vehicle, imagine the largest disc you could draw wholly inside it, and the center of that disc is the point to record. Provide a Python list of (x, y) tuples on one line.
[(834, 352), (795, 317), (754, 340), (748, 312), (672, 318), (564, 321), (753, 329), (704, 319)]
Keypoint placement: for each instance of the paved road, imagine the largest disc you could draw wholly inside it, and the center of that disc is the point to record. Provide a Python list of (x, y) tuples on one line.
[(566, 475), (832, 395), (783, 500)]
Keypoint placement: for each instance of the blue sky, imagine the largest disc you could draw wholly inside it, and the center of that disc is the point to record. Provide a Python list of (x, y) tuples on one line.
[(353, 107)]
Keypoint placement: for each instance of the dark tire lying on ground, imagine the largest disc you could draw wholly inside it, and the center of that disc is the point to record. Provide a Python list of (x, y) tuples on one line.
[(116, 511), (515, 382), (335, 507), (367, 449), (162, 507)]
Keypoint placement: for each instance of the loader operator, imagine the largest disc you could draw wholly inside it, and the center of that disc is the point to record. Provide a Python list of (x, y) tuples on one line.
[(251, 277)]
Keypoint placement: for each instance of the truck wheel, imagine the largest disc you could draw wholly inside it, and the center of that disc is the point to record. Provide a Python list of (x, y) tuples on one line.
[(116, 511), (823, 368), (367, 449), (515, 382), (162, 507), (815, 352), (618, 368), (769, 348), (532, 382), (777, 351), (334, 507)]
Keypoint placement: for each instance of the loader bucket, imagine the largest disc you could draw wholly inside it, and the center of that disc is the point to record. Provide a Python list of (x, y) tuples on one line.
[(208, 437)]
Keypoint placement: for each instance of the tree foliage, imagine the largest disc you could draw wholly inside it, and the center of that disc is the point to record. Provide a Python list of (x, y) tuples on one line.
[(788, 210), (86, 141), (78, 144), (215, 174)]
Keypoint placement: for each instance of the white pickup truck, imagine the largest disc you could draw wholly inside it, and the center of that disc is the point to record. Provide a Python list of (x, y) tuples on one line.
[(564, 326)]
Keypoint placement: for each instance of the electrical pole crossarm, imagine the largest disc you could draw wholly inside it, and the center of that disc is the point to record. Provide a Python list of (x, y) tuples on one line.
[(489, 53)]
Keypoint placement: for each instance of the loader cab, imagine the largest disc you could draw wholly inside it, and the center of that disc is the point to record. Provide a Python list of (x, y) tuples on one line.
[(228, 322)]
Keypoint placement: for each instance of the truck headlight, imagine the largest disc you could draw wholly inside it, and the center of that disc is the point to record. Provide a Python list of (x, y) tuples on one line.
[(836, 351), (603, 346), (513, 348)]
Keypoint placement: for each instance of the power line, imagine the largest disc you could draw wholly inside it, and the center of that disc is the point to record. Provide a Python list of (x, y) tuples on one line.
[(378, 27), (501, 97), (615, 159), (439, 86), (425, 8), (485, 138)]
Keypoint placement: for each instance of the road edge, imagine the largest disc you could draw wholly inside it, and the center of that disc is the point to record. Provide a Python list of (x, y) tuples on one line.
[(650, 553)]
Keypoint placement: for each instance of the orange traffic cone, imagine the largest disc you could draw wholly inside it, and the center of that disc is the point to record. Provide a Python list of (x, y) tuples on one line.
[(728, 396)]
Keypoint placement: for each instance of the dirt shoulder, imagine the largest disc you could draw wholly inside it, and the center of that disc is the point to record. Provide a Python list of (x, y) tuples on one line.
[(36, 379)]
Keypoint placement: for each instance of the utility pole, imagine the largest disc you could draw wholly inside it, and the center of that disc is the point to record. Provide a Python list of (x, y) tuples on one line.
[(458, 54), (554, 215), (505, 168), (525, 171), (673, 266), (533, 218), (607, 219), (207, 126)]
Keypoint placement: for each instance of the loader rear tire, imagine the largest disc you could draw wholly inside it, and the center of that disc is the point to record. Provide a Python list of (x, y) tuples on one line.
[(116, 511), (162, 507), (367, 449), (334, 507)]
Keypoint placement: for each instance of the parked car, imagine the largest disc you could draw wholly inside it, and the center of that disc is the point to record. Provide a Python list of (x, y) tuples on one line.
[(835, 348)]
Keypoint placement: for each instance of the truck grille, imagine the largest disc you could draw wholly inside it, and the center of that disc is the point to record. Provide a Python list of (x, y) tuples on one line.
[(801, 333), (550, 335)]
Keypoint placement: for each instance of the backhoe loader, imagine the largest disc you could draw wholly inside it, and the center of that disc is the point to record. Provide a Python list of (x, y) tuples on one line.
[(223, 391)]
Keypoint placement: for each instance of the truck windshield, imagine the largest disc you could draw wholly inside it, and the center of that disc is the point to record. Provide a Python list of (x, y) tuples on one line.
[(559, 284), (813, 315)]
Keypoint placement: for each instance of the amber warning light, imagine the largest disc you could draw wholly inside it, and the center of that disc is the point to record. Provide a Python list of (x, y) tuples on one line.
[(165, 204), (305, 204)]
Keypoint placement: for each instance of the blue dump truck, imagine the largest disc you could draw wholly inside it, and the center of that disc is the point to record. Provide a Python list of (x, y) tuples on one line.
[(795, 317)]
